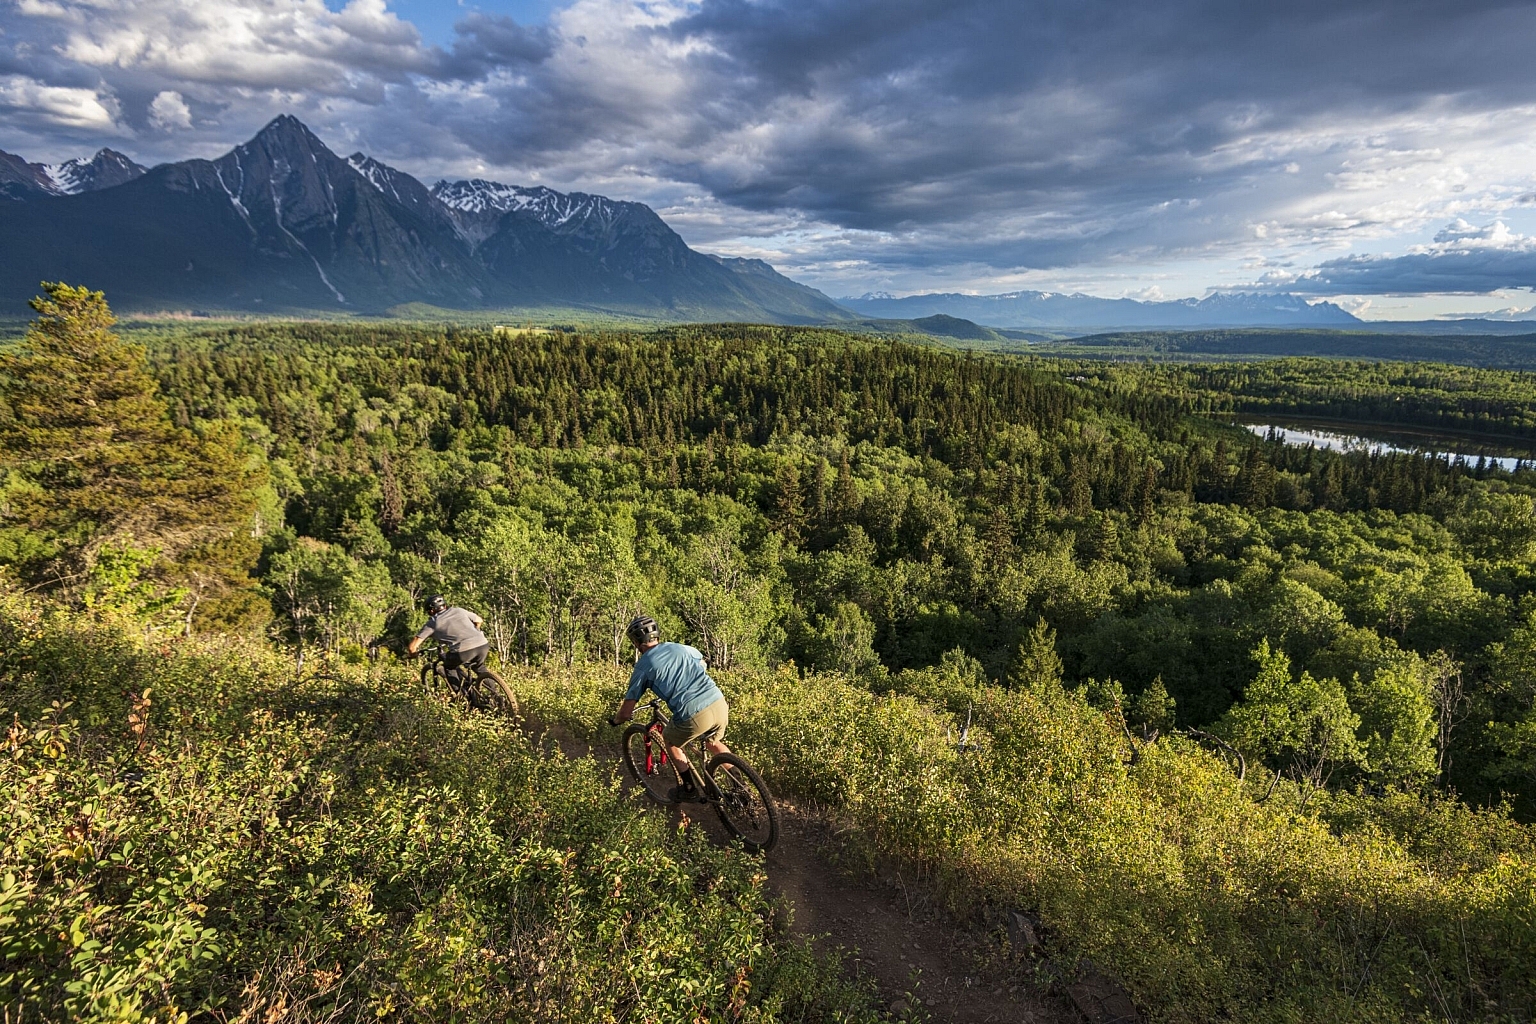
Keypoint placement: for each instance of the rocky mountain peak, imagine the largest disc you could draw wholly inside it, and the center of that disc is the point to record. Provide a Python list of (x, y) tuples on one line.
[(104, 170), (282, 222), (22, 181)]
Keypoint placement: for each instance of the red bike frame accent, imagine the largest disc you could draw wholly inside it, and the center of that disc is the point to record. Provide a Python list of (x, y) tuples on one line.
[(651, 758)]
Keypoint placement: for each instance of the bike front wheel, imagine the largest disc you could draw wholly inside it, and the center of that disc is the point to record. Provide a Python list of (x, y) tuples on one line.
[(646, 760), (494, 691), (744, 805)]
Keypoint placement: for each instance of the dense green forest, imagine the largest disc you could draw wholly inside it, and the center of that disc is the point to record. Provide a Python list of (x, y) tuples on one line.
[(1447, 344), (1126, 595)]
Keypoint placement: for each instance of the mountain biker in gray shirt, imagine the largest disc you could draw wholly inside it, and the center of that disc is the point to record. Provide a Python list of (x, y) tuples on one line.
[(459, 629), (677, 674)]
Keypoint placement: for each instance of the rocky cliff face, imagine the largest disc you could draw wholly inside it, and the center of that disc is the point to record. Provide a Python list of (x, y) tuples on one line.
[(282, 222)]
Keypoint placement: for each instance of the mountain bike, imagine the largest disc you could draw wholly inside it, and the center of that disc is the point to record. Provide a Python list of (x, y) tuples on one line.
[(486, 690), (728, 784)]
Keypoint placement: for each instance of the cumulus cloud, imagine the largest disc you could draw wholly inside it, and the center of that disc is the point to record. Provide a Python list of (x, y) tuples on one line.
[(866, 136), (169, 111), (29, 101)]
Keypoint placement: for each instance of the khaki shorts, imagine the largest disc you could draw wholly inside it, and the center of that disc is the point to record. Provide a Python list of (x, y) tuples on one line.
[(708, 724)]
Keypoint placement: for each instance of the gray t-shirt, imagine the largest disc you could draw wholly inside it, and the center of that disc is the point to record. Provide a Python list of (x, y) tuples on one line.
[(458, 626)]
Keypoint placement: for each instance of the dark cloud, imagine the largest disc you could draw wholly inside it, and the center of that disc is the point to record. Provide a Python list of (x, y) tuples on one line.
[(486, 43), (1463, 259), (994, 133), (1003, 105)]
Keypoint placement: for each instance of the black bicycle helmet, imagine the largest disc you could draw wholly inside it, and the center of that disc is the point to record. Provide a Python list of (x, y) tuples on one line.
[(643, 630), (436, 603)]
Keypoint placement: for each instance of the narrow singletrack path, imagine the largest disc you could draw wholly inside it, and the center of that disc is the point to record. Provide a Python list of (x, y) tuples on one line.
[(888, 928), (892, 933)]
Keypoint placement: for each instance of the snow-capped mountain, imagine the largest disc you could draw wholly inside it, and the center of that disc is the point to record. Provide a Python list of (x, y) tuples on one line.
[(553, 209), (1033, 309), (480, 196), (479, 205), (104, 170), (21, 181), (282, 222)]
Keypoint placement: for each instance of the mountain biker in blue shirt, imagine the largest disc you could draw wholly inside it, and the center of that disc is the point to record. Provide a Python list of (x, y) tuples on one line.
[(678, 675)]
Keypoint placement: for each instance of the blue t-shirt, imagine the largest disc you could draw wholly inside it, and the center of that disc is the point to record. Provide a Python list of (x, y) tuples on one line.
[(676, 674)]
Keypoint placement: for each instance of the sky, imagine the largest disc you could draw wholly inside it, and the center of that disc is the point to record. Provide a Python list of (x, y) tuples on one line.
[(1376, 153)]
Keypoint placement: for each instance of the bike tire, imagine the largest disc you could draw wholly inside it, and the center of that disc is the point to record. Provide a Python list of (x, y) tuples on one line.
[(648, 764), (745, 806), (502, 700), (427, 678)]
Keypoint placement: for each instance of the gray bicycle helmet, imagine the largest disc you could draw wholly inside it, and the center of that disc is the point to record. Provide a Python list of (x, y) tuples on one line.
[(436, 603), (643, 630)]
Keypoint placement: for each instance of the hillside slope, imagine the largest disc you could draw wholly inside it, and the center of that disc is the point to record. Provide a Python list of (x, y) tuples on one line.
[(195, 834)]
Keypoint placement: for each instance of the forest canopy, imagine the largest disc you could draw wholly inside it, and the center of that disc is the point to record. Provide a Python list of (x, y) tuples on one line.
[(781, 495)]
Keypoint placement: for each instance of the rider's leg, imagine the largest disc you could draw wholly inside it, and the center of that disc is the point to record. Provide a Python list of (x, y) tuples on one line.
[(472, 662), (684, 766), (680, 760), (708, 725), (465, 666)]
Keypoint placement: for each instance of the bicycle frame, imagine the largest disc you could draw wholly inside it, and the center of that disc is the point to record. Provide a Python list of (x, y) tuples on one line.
[(654, 728), (659, 753), (436, 655)]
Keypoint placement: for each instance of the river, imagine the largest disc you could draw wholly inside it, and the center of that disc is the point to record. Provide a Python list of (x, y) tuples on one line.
[(1449, 448)]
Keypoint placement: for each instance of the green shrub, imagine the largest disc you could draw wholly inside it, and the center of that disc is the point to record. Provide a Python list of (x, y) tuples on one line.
[(1209, 901), (188, 834)]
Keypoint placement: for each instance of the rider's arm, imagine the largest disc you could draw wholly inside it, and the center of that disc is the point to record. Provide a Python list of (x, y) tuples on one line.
[(477, 620), (638, 680), (421, 637), (625, 713)]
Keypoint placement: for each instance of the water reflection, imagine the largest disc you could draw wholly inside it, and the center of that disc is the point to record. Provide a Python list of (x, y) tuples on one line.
[(1319, 438)]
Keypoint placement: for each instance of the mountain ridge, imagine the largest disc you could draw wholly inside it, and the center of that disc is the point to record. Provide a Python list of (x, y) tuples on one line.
[(281, 223), (21, 181), (1039, 309)]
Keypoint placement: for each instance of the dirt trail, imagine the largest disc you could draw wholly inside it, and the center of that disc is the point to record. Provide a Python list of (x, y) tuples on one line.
[(894, 935), (889, 928)]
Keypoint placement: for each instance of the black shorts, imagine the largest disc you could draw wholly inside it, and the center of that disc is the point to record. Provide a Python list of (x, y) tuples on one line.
[(472, 659)]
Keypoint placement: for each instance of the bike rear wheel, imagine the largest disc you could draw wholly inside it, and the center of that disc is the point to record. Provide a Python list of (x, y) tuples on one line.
[(646, 760), (745, 806)]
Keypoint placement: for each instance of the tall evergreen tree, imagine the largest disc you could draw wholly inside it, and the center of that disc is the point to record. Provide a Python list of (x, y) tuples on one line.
[(101, 462)]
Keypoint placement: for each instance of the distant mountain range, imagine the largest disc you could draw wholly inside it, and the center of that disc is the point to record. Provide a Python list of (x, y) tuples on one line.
[(1086, 312), (281, 223)]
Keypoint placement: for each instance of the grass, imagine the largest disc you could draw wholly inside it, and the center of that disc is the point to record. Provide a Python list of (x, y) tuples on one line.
[(190, 834)]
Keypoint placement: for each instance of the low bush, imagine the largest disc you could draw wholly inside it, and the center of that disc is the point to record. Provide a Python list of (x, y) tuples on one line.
[(189, 834), (1208, 901)]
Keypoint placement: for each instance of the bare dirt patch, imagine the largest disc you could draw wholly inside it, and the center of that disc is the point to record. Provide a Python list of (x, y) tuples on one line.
[(892, 932)]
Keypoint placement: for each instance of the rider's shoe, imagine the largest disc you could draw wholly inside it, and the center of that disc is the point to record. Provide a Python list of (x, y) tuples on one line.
[(685, 792)]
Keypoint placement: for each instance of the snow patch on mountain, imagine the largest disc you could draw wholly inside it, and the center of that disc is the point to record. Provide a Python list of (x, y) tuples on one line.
[(555, 210), (104, 170)]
